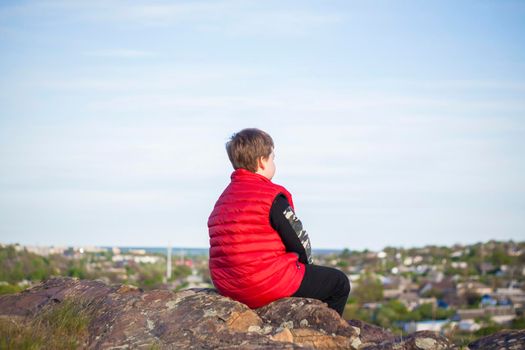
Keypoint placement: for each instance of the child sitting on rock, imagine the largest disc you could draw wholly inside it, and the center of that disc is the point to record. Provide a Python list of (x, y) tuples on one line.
[(259, 251)]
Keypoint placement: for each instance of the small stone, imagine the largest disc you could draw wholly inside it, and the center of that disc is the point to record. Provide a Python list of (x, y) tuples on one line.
[(171, 304), (356, 343), (267, 330), (210, 313), (256, 329), (283, 336), (303, 323), (241, 321), (426, 343)]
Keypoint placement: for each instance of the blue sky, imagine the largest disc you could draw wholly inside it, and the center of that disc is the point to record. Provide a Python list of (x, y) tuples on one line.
[(396, 123)]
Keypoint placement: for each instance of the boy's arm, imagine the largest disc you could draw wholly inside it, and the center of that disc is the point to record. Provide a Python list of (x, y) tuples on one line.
[(290, 228)]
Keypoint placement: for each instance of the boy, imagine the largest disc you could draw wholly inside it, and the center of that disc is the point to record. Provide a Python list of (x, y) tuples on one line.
[(259, 251)]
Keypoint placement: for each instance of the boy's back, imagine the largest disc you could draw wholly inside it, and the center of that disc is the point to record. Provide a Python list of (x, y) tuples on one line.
[(248, 260)]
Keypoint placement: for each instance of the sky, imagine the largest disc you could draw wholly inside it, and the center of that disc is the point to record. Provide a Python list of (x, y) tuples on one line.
[(396, 123)]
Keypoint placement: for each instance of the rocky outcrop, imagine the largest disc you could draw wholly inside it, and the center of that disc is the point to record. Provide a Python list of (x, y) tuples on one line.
[(127, 317), (506, 339)]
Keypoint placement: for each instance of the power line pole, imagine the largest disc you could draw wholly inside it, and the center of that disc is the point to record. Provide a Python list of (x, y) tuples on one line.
[(168, 264)]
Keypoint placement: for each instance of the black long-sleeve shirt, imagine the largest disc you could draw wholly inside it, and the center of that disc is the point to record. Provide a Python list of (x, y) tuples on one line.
[(290, 228)]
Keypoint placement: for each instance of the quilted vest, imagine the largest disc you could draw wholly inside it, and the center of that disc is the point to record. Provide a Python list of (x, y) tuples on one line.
[(248, 260)]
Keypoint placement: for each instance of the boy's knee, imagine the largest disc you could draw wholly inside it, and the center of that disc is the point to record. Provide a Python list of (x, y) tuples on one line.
[(345, 283)]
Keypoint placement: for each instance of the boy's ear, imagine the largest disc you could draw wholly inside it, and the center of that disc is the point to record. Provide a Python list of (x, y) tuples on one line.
[(260, 163)]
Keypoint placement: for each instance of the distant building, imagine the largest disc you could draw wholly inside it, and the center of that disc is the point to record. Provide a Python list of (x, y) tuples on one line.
[(446, 287), (459, 265), (436, 276), (487, 300), (515, 295), (394, 286), (469, 314), (196, 281), (413, 300), (499, 314), (44, 251), (473, 287), (468, 326), (457, 254), (431, 325), (146, 259)]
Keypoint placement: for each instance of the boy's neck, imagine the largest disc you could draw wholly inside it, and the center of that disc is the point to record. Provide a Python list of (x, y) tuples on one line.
[(243, 172)]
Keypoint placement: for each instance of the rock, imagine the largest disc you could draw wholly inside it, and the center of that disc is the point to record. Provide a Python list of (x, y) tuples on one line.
[(285, 335), (29, 301), (317, 340), (306, 313), (370, 334), (310, 323), (422, 340), (122, 316), (505, 339), (127, 317)]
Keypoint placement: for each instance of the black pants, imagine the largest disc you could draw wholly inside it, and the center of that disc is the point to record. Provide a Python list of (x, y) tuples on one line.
[(326, 284)]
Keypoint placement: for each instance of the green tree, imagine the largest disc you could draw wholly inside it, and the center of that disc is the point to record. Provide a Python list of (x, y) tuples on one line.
[(76, 271), (180, 271), (500, 257), (345, 254), (390, 313), (368, 289), (354, 311)]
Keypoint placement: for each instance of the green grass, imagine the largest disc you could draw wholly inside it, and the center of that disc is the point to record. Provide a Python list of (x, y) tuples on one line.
[(62, 326), (10, 289)]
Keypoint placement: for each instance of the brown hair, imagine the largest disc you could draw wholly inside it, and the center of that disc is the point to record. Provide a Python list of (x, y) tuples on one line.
[(247, 146)]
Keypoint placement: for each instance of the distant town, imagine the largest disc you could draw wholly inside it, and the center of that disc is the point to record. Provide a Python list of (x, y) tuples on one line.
[(463, 291)]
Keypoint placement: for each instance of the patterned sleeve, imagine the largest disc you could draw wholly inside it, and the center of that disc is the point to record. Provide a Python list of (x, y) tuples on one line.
[(290, 228)]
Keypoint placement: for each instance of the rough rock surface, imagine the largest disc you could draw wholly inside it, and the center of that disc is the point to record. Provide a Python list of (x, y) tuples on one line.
[(308, 322), (505, 339), (423, 340), (127, 317), (371, 334)]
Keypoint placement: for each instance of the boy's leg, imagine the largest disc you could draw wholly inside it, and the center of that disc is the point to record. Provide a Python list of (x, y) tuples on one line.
[(326, 284)]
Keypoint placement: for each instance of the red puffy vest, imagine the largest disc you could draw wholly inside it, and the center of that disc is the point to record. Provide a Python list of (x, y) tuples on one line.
[(248, 260)]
